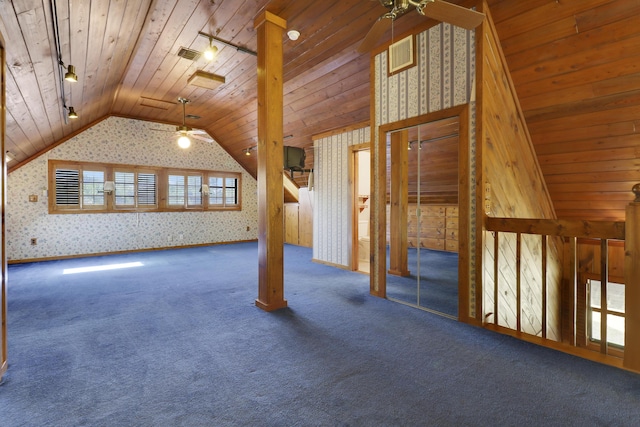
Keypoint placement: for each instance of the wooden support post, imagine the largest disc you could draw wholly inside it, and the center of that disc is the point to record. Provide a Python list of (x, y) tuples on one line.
[(518, 282), (632, 284), (544, 286), (270, 162), (399, 197), (568, 303), (604, 280), (496, 275)]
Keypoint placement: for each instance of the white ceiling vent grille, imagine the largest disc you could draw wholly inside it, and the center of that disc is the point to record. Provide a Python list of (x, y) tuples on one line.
[(401, 55)]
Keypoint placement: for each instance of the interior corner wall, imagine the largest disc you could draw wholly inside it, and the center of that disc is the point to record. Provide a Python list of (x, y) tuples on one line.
[(516, 189), (443, 77), (331, 196), (131, 142)]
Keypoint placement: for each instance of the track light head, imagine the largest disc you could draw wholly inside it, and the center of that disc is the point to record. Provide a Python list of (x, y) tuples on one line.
[(70, 75), (211, 52), (72, 113)]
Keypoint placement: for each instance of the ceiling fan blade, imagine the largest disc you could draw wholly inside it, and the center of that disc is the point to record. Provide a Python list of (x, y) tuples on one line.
[(201, 137), (377, 30), (453, 14)]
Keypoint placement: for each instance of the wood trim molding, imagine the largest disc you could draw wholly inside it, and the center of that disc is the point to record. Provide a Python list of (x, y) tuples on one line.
[(339, 131), (132, 251)]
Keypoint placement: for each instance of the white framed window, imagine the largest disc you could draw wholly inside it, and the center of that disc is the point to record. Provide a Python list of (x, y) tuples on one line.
[(614, 312)]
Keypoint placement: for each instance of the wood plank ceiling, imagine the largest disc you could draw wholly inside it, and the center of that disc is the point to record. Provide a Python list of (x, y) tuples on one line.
[(575, 66)]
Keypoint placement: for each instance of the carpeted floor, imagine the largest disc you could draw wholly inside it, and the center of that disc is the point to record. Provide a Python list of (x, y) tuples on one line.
[(179, 342)]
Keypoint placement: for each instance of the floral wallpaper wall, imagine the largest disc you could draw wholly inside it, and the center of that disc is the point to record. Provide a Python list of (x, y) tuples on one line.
[(123, 141), (443, 77), (332, 191)]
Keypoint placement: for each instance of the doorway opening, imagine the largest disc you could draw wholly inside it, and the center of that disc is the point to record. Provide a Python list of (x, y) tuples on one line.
[(361, 168)]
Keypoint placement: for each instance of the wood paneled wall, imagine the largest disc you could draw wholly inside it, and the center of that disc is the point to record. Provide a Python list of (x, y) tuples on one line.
[(298, 220), (435, 228), (512, 186)]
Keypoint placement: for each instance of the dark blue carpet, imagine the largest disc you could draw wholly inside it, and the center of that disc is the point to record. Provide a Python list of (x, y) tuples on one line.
[(179, 342)]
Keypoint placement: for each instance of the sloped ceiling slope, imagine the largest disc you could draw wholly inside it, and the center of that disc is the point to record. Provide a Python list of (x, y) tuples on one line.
[(574, 66)]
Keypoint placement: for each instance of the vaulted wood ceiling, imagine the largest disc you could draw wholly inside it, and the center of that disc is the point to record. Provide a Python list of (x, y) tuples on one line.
[(575, 65)]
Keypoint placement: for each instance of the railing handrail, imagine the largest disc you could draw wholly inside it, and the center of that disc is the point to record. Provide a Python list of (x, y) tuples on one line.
[(558, 227)]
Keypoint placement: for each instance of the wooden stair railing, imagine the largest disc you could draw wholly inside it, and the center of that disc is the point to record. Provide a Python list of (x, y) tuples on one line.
[(570, 233)]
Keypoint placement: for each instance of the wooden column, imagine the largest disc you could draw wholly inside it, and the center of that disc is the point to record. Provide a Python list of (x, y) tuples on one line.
[(632, 284), (398, 244), (270, 163)]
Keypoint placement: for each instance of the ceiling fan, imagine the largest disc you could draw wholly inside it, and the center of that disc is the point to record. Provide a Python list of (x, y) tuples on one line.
[(435, 9), (185, 132)]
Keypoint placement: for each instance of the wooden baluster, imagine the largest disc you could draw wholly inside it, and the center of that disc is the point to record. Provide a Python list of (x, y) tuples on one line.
[(496, 293), (632, 284), (544, 286), (518, 283), (604, 279)]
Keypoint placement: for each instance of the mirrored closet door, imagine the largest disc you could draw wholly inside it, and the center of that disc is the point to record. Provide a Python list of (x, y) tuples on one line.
[(422, 216)]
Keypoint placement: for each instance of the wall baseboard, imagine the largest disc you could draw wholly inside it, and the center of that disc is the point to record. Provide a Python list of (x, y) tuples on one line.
[(25, 261)]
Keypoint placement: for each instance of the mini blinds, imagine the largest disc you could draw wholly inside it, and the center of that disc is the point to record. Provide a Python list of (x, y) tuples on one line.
[(67, 187), (135, 189), (125, 183), (147, 189)]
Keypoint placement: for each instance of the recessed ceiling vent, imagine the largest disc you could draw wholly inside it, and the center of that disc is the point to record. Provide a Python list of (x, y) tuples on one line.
[(156, 103), (189, 54)]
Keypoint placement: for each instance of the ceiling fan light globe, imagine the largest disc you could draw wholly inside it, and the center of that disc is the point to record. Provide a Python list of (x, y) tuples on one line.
[(184, 142)]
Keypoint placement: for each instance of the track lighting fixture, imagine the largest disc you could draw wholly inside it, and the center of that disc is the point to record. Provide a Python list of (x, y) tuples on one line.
[(70, 75), (8, 156), (247, 151), (211, 52), (72, 113), (225, 42)]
